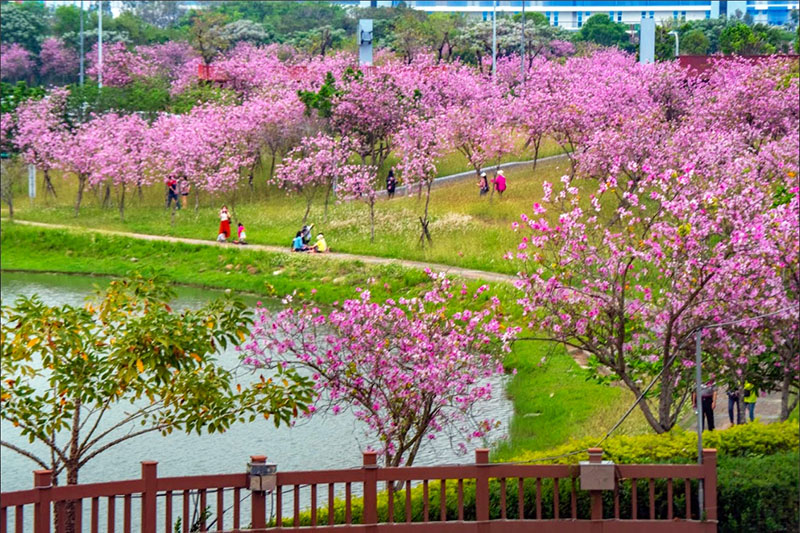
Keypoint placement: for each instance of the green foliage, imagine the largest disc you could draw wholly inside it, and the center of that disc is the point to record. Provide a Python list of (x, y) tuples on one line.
[(695, 42), (322, 100), (599, 28), (147, 95), (12, 95), (538, 19), (758, 493), (291, 21), (199, 94), (23, 24), (740, 39), (66, 19), (206, 35)]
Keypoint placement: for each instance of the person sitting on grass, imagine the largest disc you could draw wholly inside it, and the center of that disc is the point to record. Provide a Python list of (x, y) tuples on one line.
[(305, 234), (320, 246), (241, 236), (297, 243)]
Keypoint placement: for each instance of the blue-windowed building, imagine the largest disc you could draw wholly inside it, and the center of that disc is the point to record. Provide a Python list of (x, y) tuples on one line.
[(572, 14)]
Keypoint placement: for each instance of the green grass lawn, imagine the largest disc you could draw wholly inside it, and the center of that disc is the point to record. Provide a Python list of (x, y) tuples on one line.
[(468, 231), (555, 401)]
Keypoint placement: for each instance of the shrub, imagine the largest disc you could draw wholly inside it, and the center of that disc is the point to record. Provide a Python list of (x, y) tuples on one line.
[(679, 446), (758, 493)]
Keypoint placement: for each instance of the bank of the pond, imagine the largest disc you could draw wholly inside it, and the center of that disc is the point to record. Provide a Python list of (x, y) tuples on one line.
[(553, 400)]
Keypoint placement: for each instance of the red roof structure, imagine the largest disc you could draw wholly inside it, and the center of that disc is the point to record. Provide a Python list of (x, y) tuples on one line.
[(210, 73), (701, 65)]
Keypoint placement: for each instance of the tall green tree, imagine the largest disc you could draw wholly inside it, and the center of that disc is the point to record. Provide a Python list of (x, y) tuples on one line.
[(602, 30), (24, 24), (695, 42)]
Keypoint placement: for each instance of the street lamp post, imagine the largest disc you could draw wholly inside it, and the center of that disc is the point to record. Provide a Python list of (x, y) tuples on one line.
[(494, 40), (82, 52), (698, 383), (677, 42), (100, 43), (522, 44)]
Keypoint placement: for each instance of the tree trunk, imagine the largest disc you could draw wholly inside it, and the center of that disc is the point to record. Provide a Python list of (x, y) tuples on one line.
[(48, 185), (107, 196), (787, 405), (122, 203), (196, 199), (423, 220), (81, 186), (327, 198), (536, 143), (308, 210)]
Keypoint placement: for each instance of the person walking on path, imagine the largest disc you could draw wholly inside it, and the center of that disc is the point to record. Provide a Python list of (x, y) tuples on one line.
[(183, 190), (500, 183), (483, 184), (391, 183), (224, 224), (750, 397), (733, 403), (172, 192), (708, 402)]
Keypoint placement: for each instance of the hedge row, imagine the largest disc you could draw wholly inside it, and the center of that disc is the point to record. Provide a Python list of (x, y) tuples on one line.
[(757, 487)]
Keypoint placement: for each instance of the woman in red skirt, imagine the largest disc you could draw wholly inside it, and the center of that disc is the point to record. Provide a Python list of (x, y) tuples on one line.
[(224, 224)]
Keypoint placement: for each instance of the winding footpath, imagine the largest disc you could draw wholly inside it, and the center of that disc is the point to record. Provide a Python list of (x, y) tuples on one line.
[(369, 259)]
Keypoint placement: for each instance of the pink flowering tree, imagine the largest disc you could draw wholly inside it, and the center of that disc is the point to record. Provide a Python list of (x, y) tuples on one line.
[(317, 163), (120, 65), (16, 64), (668, 226), (420, 143), (77, 156), (408, 369), (119, 161), (41, 132), (58, 62)]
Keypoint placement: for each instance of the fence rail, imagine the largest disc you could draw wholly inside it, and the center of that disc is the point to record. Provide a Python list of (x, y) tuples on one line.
[(500, 498)]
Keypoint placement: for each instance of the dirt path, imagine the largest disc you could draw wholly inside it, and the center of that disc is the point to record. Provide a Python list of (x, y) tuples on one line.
[(436, 267)]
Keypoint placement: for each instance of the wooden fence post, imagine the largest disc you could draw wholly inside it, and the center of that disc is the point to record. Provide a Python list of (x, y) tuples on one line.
[(481, 485), (371, 488), (596, 456), (150, 481), (258, 499), (42, 482), (710, 478)]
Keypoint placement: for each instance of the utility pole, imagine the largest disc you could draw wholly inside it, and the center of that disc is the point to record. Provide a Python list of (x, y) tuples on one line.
[(100, 43), (82, 51), (522, 45), (698, 372), (494, 40)]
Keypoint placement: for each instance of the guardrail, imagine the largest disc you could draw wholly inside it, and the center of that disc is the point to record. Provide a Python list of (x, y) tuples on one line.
[(508, 497)]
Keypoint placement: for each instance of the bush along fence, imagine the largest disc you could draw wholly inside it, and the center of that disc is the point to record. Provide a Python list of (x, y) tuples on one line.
[(594, 496)]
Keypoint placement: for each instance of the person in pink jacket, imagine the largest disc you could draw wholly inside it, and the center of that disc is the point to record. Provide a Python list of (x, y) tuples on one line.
[(500, 183)]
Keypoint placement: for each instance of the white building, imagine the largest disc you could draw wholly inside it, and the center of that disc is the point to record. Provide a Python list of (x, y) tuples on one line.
[(572, 14)]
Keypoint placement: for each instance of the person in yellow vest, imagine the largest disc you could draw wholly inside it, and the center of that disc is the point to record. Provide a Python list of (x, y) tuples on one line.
[(750, 397)]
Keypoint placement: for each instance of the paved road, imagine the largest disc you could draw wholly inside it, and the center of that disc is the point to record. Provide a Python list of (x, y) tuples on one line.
[(436, 267)]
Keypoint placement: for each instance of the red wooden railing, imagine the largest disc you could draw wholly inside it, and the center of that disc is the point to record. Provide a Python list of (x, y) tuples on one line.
[(155, 500)]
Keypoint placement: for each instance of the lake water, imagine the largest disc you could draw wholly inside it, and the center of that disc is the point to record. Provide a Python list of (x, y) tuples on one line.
[(321, 442)]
